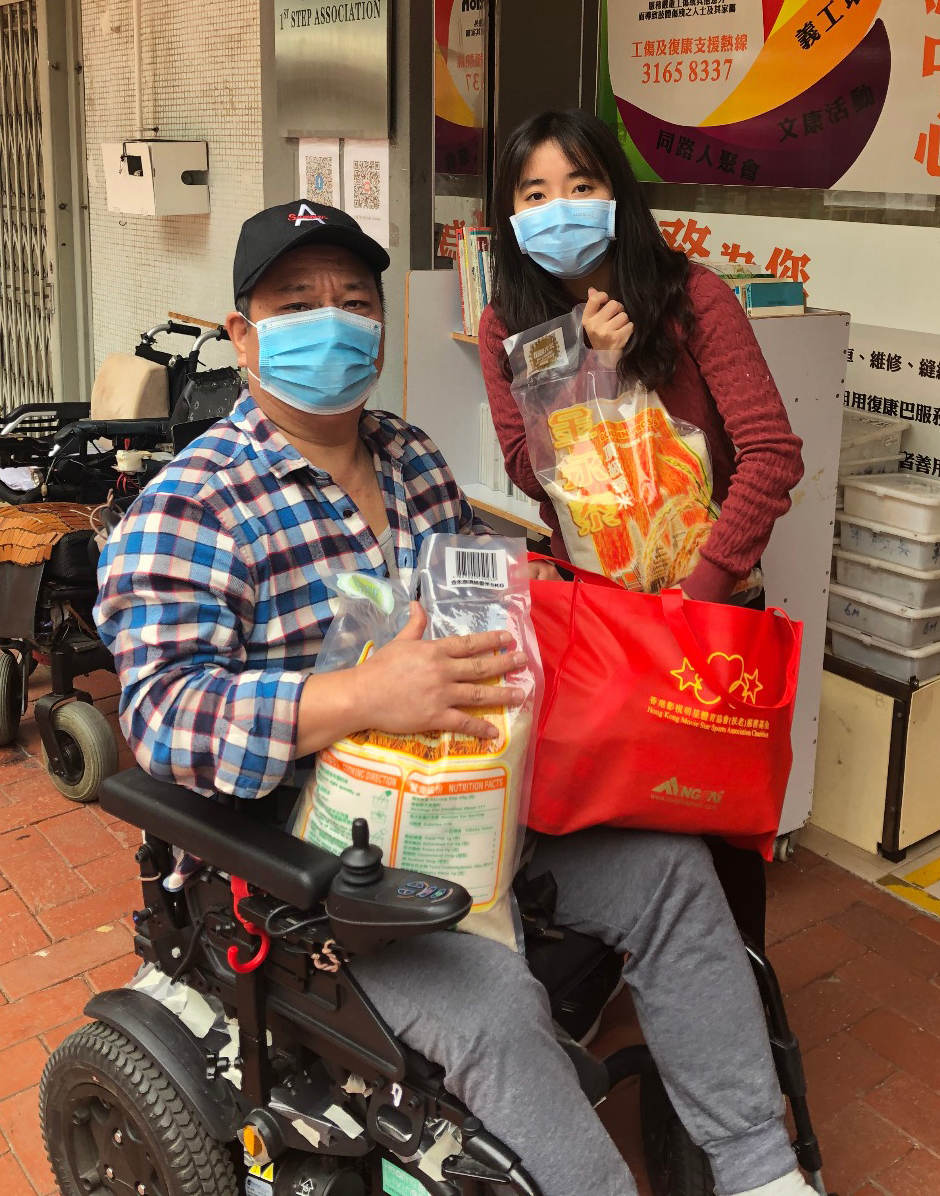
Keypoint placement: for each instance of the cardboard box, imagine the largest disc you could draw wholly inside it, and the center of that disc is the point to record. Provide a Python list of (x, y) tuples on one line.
[(770, 297)]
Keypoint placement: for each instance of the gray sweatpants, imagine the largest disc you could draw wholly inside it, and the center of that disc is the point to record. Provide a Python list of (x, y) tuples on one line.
[(473, 1007)]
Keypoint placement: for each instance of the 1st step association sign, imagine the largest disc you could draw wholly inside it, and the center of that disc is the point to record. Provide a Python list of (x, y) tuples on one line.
[(331, 63)]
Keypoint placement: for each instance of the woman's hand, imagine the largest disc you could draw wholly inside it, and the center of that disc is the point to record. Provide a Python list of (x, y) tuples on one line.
[(543, 571), (415, 685), (605, 323)]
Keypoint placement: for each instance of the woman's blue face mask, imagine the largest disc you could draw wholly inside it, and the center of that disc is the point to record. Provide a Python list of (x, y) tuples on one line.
[(320, 361), (566, 237)]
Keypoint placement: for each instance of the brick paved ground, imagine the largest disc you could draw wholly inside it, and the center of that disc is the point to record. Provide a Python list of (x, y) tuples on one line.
[(861, 971)]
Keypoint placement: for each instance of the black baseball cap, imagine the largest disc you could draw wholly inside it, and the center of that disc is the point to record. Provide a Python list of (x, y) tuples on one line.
[(276, 230)]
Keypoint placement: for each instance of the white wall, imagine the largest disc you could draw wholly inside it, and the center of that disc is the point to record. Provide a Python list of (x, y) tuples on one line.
[(208, 73), (201, 81)]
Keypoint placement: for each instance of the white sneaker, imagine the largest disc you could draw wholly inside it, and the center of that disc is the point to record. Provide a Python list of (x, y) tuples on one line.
[(792, 1184)]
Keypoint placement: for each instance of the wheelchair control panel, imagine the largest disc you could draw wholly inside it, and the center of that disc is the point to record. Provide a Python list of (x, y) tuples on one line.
[(369, 905)]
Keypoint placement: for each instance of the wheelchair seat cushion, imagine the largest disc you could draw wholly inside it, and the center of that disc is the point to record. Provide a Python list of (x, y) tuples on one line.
[(129, 387), (30, 533)]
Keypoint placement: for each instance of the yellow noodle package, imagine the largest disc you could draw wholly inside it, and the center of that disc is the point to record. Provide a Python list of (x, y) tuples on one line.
[(449, 805), (632, 487)]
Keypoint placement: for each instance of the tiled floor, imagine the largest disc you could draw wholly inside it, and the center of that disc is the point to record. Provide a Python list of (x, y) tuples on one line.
[(860, 968), (66, 887)]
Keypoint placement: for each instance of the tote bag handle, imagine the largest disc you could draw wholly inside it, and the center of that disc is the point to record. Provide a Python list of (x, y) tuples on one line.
[(673, 602), (594, 579)]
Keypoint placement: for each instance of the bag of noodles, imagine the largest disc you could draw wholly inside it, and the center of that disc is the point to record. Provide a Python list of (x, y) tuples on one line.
[(631, 485), (437, 802)]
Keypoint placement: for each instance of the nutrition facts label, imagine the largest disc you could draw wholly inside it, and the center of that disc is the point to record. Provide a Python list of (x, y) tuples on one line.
[(452, 825), (460, 820)]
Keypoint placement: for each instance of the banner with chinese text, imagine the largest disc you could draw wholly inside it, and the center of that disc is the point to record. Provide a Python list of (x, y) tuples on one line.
[(832, 94), (897, 373), (876, 272)]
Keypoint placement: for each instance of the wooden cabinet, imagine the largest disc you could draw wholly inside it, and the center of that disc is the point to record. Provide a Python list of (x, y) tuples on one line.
[(876, 767)]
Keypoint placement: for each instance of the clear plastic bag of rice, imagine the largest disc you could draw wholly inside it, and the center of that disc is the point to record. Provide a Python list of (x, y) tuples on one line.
[(631, 485), (437, 802)]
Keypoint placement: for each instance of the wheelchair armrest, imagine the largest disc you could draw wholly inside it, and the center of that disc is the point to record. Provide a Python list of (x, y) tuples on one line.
[(86, 430), (367, 906), (266, 856), (58, 413)]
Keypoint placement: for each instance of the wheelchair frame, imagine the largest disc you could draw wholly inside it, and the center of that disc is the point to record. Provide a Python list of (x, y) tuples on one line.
[(298, 988), (74, 650)]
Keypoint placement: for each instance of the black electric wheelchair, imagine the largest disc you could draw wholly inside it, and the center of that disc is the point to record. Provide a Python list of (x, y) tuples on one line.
[(247, 1058), (46, 599), (35, 438)]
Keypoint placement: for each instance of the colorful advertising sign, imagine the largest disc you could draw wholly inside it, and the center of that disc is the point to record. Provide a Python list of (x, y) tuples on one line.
[(777, 93), (459, 85)]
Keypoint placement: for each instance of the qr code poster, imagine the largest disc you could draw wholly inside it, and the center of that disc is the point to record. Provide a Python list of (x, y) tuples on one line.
[(365, 186), (319, 171), (320, 180)]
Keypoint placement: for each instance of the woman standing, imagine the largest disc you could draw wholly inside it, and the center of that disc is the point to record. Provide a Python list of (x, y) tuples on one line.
[(572, 226)]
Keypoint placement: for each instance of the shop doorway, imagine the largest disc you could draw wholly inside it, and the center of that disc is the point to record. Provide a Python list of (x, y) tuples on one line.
[(45, 352)]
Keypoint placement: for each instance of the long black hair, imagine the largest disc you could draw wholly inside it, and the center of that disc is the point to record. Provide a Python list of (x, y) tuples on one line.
[(649, 278)]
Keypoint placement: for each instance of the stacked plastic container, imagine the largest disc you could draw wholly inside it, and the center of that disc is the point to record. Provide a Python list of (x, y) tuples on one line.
[(871, 444), (884, 607)]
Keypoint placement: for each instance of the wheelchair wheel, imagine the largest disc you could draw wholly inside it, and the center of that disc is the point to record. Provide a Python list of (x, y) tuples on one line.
[(89, 751), (675, 1165), (9, 697), (112, 1122)]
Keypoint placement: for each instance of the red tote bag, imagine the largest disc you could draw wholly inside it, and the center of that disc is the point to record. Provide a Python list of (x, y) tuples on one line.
[(661, 713)]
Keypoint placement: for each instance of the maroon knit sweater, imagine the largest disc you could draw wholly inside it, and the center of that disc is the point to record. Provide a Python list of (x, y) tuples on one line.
[(721, 385)]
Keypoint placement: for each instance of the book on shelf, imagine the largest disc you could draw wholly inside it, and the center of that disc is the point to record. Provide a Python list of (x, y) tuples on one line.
[(464, 285), (474, 270), (492, 468)]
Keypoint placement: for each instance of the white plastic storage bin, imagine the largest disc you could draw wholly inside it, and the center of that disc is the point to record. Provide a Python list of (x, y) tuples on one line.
[(911, 587), (915, 550), (905, 500), (903, 664), (906, 626), (865, 437), (877, 465)]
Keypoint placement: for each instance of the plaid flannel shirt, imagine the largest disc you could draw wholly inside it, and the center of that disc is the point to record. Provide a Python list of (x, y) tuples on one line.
[(212, 598)]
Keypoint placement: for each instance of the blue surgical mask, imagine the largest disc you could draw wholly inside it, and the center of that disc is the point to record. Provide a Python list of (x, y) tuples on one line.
[(566, 237), (320, 361)]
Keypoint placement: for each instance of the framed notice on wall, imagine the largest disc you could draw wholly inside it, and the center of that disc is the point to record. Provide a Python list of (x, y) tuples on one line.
[(331, 63), (838, 94)]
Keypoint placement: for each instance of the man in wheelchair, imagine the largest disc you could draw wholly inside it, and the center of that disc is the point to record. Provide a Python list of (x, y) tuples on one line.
[(213, 603)]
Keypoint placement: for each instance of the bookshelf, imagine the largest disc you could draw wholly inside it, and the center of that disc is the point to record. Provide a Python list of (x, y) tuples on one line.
[(444, 392), (806, 356)]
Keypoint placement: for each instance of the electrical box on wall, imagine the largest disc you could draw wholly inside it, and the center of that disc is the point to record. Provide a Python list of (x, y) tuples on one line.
[(157, 178)]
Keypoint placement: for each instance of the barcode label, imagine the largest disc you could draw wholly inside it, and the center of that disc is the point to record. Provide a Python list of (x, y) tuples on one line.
[(476, 567)]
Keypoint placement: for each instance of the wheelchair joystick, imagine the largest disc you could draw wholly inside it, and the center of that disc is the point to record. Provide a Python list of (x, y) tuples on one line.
[(362, 862)]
